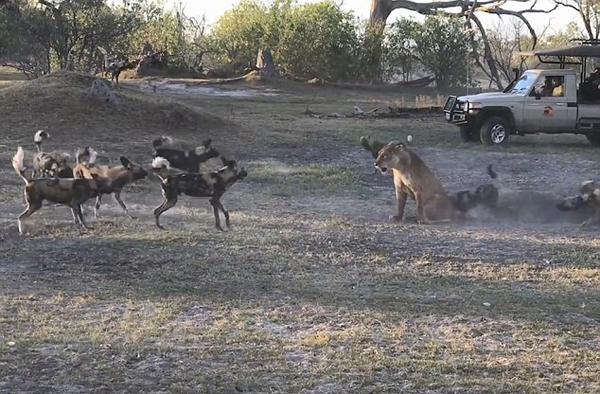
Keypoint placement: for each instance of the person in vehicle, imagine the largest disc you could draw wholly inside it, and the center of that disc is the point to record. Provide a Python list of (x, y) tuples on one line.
[(589, 90)]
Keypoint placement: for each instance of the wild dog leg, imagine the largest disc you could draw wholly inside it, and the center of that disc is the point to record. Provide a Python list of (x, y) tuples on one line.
[(117, 197), (595, 219), (169, 203), (31, 208), (215, 204), (79, 213), (97, 206), (225, 213)]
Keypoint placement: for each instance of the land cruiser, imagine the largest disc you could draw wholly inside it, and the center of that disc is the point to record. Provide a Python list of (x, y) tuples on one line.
[(538, 101)]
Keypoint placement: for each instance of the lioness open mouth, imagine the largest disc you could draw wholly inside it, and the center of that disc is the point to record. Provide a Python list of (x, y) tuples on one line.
[(382, 169)]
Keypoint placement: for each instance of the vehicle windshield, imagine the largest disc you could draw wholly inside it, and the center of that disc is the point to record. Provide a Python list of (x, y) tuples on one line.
[(523, 83)]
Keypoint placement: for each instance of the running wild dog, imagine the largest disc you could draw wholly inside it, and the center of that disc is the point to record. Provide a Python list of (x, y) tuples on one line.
[(52, 164), (589, 196), (184, 160), (118, 176), (211, 185), (70, 192)]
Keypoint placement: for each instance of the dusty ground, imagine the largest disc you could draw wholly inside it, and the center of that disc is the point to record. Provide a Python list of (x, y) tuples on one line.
[(313, 290)]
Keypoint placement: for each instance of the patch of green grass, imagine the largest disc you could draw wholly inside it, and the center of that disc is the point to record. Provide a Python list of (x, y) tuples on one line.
[(286, 179)]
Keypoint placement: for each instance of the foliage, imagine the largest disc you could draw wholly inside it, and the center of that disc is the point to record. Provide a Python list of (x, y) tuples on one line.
[(443, 48), (239, 32), (589, 13), (400, 48), (318, 41)]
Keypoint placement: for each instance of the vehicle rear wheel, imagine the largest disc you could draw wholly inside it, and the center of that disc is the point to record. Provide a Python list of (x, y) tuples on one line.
[(495, 131), (594, 138), (467, 134)]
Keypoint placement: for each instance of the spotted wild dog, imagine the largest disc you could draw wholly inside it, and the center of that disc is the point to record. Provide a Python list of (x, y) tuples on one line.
[(118, 176), (485, 195), (71, 192), (184, 160), (589, 196), (211, 185), (52, 164), (413, 178)]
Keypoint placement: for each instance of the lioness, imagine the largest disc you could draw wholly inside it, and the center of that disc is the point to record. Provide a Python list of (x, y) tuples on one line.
[(413, 178)]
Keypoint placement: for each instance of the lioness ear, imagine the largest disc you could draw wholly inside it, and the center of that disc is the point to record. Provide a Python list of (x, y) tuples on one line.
[(400, 145)]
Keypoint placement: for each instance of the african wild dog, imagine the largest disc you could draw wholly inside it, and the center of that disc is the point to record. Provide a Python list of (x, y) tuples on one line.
[(114, 66), (70, 192), (52, 164), (118, 176), (485, 195), (184, 160), (589, 196), (210, 185)]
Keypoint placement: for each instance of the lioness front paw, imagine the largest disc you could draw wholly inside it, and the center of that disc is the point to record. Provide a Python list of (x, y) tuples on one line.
[(396, 218)]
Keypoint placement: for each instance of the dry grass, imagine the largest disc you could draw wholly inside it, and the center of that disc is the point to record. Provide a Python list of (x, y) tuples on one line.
[(313, 290)]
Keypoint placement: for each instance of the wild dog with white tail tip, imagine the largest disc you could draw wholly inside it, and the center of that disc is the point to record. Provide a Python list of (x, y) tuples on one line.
[(71, 192), (589, 196), (210, 185), (52, 164), (118, 176), (184, 160)]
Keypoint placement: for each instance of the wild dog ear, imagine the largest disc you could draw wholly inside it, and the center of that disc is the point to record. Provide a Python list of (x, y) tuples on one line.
[(224, 160), (231, 164), (207, 143), (126, 162)]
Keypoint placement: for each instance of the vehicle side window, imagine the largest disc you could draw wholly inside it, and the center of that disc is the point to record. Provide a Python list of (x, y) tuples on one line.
[(549, 87)]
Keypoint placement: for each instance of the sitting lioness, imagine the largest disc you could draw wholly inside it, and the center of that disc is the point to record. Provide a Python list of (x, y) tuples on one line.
[(413, 178)]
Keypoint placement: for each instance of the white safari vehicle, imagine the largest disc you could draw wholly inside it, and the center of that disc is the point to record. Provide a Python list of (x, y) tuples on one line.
[(538, 101)]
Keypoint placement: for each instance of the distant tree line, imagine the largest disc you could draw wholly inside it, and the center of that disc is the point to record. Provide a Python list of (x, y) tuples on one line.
[(316, 40)]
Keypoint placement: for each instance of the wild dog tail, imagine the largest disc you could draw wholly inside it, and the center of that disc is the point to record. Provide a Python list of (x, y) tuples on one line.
[(160, 162), (17, 162), (490, 170), (39, 137), (162, 140), (371, 145)]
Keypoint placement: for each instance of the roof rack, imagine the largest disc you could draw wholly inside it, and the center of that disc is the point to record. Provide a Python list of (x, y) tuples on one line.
[(585, 41)]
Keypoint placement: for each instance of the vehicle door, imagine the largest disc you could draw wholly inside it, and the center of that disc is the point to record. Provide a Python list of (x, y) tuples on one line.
[(545, 109)]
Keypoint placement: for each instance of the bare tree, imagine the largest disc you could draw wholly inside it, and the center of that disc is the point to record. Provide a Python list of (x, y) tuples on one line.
[(381, 10), (589, 11)]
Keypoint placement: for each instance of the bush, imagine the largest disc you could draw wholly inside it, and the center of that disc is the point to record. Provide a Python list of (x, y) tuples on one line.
[(443, 48)]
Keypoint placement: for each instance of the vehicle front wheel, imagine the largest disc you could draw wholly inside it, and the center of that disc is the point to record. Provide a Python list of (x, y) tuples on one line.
[(495, 131), (594, 138), (467, 134)]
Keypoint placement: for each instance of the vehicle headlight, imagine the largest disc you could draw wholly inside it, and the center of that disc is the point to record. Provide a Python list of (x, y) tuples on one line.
[(474, 105)]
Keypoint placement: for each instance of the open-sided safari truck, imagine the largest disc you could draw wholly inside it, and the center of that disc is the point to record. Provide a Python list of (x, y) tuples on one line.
[(538, 101)]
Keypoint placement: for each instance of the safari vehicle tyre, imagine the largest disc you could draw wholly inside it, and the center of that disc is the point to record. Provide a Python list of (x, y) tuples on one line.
[(467, 134), (495, 131), (594, 139)]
